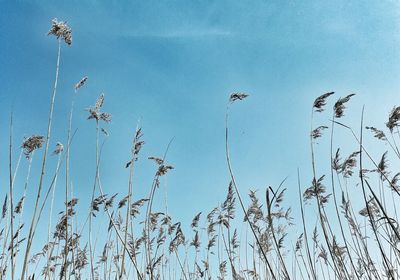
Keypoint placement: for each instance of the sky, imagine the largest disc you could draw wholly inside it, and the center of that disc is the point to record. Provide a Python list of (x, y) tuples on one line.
[(171, 66)]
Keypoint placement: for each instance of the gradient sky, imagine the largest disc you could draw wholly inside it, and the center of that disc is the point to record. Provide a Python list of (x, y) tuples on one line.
[(173, 64)]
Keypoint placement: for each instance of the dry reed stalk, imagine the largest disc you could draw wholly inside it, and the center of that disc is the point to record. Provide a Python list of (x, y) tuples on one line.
[(311, 264), (51, 209), (338, 112), (67, 159), (136, 147), (11, 199), (61, 31), (161, 171), (374, 229), (233, 98), (317, 188)]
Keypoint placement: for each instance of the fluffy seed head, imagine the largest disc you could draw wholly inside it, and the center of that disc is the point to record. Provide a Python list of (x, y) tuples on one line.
[(340, 105), (394, 118), (81, 83), (320, 102), (59, 148), (95, 113), (31, 144), (377, 133), (61, 29), (237, 96), (316, 133)]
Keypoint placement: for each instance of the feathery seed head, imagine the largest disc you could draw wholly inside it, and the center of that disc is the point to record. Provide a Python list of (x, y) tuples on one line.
[(320, 102), (316, 133), (95, 113), (59, 148), (377, 133), (394, 118), (340, 105), (81, 83), (31, 144), (237, 96), (61, 29)]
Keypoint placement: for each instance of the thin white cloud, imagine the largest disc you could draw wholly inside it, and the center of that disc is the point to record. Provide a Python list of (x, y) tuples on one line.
[(182, 34)]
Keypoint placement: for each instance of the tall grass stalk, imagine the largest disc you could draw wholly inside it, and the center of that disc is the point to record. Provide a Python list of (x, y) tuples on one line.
[(232, 99), (11, 200), (31, 235)]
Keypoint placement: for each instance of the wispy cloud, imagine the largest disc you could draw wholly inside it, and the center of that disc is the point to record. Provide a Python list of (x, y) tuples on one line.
[(183, 34)]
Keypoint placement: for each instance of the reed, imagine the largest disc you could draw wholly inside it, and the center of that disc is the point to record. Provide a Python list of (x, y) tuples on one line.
[(336, 235)]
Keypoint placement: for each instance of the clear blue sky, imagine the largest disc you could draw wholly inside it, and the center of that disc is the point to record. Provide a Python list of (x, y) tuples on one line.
[(173, 64)]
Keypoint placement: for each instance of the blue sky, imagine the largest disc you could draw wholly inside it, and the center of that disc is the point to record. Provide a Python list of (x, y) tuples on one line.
[(173, 64)]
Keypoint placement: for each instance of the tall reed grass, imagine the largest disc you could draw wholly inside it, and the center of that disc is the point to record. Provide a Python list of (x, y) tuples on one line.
[(248, 236)]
